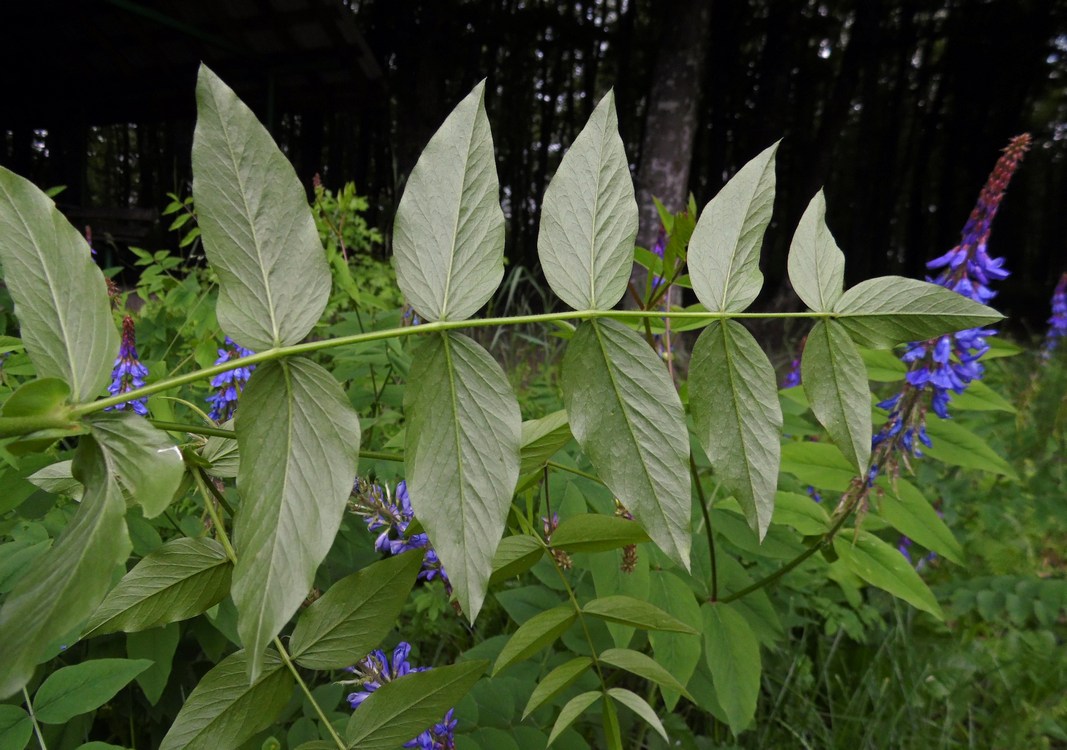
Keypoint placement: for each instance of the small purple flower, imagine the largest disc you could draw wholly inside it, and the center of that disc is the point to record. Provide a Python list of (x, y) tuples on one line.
[(129, 373), (377, 669), (230, 383), (392, 520), (792, 378)]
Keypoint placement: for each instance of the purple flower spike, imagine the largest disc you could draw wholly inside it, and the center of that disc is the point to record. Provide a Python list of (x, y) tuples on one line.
[(948, 364), (230, 383), (376, 670), (393, 518), (129, 373), (1057, 324)]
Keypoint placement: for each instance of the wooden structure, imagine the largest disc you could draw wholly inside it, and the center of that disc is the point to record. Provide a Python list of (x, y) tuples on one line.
[(82, 64)]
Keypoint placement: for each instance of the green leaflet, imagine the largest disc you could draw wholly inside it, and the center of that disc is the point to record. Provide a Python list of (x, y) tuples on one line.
[(59, 292), (299, 444), (224, 710), (515, 555), (83, 687), (179, 580), (355, 614), (448, 236), (574, 708), (222, 453), (639, 706), (148, 464), (609, 578), (589, 217), (819, 464), (541, 439), (907, 510), (591, 532), (891, 310), (955, 444), (258, 232), (835, 381), (642, 666), (461, 456), (733, 656), (15, 727), (724, 248), (69, 580), (734, 399), (816, 264), (555, 682), (627, 417), (400, 710), (634, 612), (534, 634), (881, 565), (158, 646), (677, 652), (57, 478)]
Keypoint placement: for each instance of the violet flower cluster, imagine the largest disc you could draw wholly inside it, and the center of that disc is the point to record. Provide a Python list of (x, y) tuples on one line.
[(129, 373), (229, 384), (1057, 324), (377, 669), (948, 364), (391, 519)]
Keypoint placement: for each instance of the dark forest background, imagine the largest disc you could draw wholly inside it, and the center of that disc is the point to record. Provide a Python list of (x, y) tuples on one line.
[(898, 108)]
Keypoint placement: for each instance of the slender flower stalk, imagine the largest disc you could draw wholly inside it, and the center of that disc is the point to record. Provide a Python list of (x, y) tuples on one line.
[(376, 670), (129, 373), (948, 364), (230, 383)]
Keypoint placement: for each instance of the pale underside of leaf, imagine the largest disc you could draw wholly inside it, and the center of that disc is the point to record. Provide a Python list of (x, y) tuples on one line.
[(448, 236), (835, 381), (724, 249), (146, 461), (257, 227), (626, 415), (738, 416), (68, 582), (891, 310), (816, 265), (589, 217), (299, 444), (59, 293), (462, 457)]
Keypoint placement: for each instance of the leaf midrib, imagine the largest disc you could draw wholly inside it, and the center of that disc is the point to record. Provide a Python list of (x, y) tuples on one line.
[(248, 214), (469, 133), (629, 427)]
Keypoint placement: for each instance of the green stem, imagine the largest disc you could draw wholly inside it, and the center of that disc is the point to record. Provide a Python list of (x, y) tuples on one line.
[(796, 561), (195, 429), (707, 529), (441, 325), (215, 492), (220, 527), (576, 472), (33, 719), (307, 693), (224, 540)]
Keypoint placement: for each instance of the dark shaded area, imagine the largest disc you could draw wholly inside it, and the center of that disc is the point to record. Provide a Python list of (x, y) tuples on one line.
[(898, 109)]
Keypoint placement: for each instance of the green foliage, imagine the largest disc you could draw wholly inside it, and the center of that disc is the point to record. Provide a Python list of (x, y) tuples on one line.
[(600, 562)]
